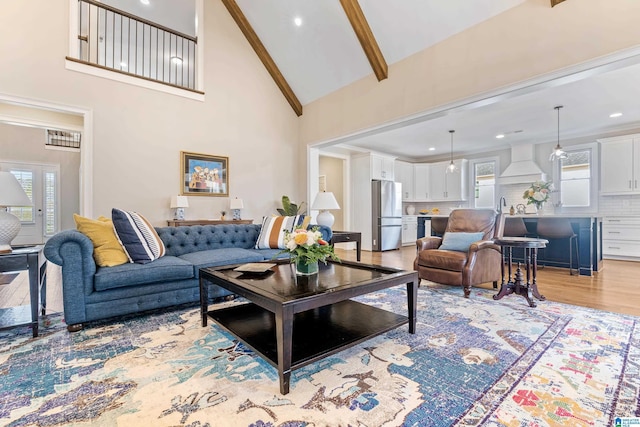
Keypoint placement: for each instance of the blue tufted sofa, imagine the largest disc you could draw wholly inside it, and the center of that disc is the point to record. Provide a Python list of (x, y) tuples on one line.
[(91, 292)]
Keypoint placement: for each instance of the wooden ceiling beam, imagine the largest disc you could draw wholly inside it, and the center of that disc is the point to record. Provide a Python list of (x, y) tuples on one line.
[(367, 40), (262, 53), (555, 2)]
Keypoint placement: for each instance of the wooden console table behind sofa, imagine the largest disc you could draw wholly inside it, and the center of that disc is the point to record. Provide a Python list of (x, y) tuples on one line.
[(177, 222)]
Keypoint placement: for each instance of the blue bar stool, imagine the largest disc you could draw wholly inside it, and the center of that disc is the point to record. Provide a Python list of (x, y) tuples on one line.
[(560, 228), (514, 227)]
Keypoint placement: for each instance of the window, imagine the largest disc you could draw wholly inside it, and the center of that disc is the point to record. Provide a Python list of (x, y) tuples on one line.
[(50, 203), (573, 178), (484, 184), (24, 213)]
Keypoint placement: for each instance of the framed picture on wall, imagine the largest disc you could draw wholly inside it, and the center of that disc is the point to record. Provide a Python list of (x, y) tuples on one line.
[(203, 175)]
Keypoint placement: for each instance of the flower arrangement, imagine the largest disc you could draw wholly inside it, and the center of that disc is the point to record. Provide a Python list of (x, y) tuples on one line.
[(538, 193), (306, 248)]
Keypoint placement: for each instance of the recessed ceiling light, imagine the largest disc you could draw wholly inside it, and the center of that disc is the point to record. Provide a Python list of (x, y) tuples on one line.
[(432, 148), (144, 1), (123, 65), (614, 115), (176, 60), (298, 21), (500, 136)]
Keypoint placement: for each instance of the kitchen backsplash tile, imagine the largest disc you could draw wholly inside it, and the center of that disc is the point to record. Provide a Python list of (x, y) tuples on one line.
[(619, 205), (608, 205)]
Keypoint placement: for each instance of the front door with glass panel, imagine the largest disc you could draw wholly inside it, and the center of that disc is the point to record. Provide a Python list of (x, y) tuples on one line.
[(40, 182)]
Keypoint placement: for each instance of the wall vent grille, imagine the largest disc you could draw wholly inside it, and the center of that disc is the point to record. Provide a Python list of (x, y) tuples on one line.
[(63, 139)]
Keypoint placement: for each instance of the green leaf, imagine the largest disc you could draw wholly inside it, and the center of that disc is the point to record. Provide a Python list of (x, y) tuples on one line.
[(288, 208)]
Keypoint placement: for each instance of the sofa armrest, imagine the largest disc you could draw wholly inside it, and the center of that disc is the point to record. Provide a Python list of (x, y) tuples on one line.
[(73, 251)]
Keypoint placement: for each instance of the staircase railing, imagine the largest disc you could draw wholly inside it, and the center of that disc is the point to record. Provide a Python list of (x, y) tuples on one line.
[(113, 39)]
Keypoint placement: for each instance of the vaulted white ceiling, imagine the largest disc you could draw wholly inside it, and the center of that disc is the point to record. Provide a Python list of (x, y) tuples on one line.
[(324, 54)]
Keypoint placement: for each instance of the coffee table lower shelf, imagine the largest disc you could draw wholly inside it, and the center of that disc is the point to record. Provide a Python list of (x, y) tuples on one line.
[(317, 333)]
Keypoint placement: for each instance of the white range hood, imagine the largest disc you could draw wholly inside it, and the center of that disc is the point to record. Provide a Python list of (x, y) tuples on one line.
[(522, 169)]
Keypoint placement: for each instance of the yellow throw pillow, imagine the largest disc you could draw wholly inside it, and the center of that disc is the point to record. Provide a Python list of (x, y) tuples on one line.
[(107, 250)]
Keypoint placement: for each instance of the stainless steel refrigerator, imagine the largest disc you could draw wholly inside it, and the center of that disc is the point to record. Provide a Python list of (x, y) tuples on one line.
[(386, 198)]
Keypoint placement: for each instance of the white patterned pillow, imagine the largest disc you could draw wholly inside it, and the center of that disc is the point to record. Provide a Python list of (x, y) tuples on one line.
[(137, 236), (273, 229)]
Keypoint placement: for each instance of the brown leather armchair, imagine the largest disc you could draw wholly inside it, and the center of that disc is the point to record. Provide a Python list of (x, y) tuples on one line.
[(480, 264)]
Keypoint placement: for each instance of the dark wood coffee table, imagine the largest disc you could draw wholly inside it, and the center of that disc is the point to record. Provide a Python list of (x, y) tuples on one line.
[(292, 321)]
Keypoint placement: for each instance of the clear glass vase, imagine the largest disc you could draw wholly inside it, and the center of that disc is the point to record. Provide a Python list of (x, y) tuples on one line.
[(303, 269)]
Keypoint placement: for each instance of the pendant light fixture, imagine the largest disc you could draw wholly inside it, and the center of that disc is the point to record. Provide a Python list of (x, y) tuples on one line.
[(558, 153), (452, 168)]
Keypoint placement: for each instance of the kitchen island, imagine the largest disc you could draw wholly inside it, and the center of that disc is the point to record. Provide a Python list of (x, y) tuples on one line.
[(556, 254)]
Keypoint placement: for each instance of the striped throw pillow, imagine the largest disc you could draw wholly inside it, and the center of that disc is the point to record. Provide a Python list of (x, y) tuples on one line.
[(273, 228), (137, 236)]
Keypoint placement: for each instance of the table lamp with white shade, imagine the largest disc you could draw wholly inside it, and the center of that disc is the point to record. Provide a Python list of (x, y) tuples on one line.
[(235, 205), (325, 200), (11, 194), (179, 203)]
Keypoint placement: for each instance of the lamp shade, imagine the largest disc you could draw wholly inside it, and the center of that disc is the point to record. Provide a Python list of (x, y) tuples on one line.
[(11, 192), (325, 200), (179, 202), (236, 204)]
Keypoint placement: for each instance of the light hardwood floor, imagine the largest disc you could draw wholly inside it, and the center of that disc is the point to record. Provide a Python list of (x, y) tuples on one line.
[(616, 288)]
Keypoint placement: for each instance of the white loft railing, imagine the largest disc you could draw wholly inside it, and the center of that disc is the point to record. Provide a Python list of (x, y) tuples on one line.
[(115, 40)]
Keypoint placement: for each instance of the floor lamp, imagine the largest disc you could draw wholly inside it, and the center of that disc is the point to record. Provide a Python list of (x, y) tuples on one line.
[(11, 194)]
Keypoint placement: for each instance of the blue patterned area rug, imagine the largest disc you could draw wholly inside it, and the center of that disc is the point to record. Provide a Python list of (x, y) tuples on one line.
[(472, 362)]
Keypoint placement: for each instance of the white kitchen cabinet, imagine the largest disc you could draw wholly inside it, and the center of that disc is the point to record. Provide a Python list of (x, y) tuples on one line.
[(421, 182), (409, 230), (621, 237), (382, 167), (445, 186), (403, 172), (620, 165)]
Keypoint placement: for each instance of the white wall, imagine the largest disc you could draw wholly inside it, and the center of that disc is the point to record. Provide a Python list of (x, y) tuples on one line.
[(138, 133)]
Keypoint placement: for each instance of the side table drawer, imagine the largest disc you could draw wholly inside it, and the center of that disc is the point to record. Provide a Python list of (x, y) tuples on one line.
[(13, 263)]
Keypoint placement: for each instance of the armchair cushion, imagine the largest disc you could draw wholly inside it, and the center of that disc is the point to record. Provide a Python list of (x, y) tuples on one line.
[(459, 241), (444, 260)]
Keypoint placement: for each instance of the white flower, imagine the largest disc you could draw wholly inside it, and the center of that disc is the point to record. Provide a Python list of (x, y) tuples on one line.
[(290, 244), (539, 196)]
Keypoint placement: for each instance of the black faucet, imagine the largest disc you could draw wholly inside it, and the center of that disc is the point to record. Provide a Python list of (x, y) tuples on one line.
[(501, 203)]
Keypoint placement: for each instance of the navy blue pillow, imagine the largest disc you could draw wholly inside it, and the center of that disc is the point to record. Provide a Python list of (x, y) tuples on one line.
[(137, 236)]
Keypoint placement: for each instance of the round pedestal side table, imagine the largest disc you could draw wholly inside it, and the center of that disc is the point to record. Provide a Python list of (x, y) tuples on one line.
[(515, 283)]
